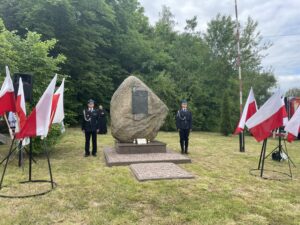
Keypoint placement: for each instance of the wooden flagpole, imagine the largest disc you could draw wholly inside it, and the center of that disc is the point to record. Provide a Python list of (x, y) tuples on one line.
[(241, 135), (9, 129)]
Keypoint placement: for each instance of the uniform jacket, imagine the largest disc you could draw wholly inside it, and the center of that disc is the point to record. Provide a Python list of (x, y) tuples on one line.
[(90, 120), (184, 119)]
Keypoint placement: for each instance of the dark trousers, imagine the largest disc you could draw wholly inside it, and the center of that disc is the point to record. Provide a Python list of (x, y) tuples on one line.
[(88, 135), (184, 139)]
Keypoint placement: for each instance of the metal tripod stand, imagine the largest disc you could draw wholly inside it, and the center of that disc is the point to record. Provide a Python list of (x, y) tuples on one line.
[(282, 149), (30, 180)]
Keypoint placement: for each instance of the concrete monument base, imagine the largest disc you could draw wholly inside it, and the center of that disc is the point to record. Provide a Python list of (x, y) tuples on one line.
[(131, 148), (113, 158)]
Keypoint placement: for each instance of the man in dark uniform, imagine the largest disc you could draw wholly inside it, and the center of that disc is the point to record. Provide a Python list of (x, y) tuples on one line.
[(184, 125), (102, 121), (90, 126)]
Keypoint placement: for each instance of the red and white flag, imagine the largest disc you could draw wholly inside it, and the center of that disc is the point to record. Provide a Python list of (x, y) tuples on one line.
[(250, 109), (38, 122), (293, 126), (20, 107), (57, 111), (7, 95), (269, 117)]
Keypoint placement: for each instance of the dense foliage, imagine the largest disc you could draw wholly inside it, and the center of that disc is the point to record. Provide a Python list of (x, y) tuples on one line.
[(105, 41), (226, 125), (53, 137), (30, 54)]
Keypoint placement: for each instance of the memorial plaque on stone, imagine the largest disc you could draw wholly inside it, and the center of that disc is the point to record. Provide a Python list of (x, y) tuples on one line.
[(139, 101)]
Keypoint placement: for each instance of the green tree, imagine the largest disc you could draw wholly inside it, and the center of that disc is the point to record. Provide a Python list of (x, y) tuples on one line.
[(105, 41), (165, 87), (31, 54), (84, 30), (220, 37), (293, 92), (226, 126), (191, 24)]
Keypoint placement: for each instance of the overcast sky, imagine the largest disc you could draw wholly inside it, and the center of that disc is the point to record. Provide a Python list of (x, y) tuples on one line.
[(279, 21)]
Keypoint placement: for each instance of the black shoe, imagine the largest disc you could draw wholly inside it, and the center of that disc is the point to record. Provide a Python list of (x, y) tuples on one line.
[(94, 154), (182, 148), (86, 155), (186, 147)]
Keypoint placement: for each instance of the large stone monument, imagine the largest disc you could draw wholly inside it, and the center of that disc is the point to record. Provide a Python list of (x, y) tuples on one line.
[(136, 112)]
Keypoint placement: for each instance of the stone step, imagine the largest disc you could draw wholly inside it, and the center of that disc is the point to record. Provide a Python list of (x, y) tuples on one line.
[(131, 148), (114, 159), (159, 171)]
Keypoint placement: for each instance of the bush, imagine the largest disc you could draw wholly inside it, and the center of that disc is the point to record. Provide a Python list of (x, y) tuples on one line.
[(52, 138), (3, 127), (170, 123)]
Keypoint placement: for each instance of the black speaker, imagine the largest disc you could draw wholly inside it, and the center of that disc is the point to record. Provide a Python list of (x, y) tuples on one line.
[(27, 85)]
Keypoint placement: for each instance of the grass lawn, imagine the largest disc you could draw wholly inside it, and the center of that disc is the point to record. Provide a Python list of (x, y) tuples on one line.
[(223, 192)]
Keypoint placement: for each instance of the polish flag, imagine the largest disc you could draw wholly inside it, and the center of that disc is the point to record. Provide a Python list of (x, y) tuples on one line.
[(269, 117), (250, 109), (293, 126), (38, 121), (7, 95), (20, 107), (57, 110)]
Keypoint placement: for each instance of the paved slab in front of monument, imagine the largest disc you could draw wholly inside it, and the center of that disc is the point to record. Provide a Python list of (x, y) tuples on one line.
[(159, 171), (114, 159)]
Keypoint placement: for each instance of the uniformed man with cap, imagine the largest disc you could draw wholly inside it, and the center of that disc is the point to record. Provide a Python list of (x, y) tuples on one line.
[(90, 126), (184, 126)]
